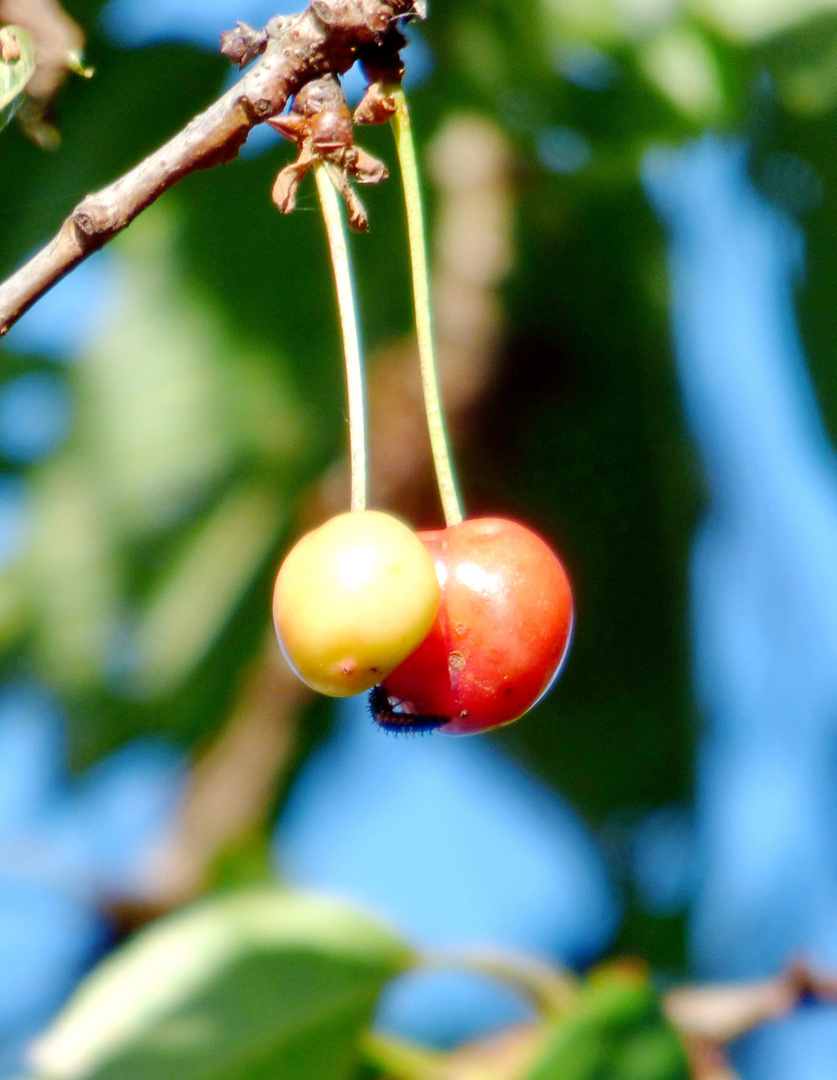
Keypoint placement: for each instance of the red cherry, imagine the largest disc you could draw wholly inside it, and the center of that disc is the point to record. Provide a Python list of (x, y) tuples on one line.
[(499, 638)]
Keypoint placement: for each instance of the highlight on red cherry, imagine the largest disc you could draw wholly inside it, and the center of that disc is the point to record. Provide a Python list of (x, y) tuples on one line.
[(499, 639)]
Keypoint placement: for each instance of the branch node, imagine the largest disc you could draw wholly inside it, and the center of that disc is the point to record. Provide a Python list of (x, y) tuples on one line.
[(339, 14), (85, 222), (262, 108), (365, 20), (378, 15), (243, 44)]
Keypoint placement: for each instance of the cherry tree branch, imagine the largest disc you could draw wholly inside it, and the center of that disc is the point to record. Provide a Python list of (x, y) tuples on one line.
[(325, 38), (710, 1017)]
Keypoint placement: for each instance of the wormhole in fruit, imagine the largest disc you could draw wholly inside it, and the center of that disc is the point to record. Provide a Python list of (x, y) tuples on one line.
[(388, 713)]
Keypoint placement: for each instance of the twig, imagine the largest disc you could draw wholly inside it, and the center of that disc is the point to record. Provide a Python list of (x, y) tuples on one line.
[(710, 1017), (321, 40)]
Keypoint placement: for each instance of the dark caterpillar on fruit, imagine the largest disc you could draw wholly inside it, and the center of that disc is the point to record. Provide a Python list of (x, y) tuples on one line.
[(385, 713)]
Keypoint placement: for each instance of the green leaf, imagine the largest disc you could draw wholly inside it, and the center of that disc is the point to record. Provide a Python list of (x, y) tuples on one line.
[(15, 74), (615, 1032), (254, 984)]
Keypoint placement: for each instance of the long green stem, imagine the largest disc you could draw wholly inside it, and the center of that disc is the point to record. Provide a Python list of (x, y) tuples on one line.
[(424, 327), (336, 230)]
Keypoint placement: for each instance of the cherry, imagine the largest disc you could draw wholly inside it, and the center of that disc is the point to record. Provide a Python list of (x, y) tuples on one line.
[(498, 641), (352, 600)]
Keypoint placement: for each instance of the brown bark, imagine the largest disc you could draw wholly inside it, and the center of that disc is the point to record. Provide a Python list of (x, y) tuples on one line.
[(325, 38)]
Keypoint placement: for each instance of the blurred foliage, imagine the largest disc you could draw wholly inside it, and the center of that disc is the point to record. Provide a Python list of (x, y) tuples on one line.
[(254, 984), (265, 983), (212, 395), (16, 71), (615, 1030)]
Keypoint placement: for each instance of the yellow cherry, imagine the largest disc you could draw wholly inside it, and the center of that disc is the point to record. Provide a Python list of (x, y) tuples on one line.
[(353, 599)]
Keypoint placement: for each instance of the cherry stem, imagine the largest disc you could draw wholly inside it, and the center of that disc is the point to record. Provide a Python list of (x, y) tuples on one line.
[(343, 280), (451, 504)]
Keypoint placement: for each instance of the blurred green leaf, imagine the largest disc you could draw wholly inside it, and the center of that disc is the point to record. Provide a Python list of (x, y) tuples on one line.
[(616, 1031), (15, 74), (184, 617), (680, 63), (258, 984), (167, 502)]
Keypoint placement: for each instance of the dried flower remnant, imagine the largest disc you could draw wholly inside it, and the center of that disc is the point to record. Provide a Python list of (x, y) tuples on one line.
[(321, 125)]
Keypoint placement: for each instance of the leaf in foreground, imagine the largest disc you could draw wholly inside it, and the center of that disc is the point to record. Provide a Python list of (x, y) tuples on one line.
[(254, 984)]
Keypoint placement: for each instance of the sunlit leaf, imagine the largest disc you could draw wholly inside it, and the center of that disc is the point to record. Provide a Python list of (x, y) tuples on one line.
[(750, 20), (681, 65), (249, 985), (71, 572)]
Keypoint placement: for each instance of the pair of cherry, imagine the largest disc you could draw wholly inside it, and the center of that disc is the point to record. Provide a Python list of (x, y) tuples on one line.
[(461, 629)]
